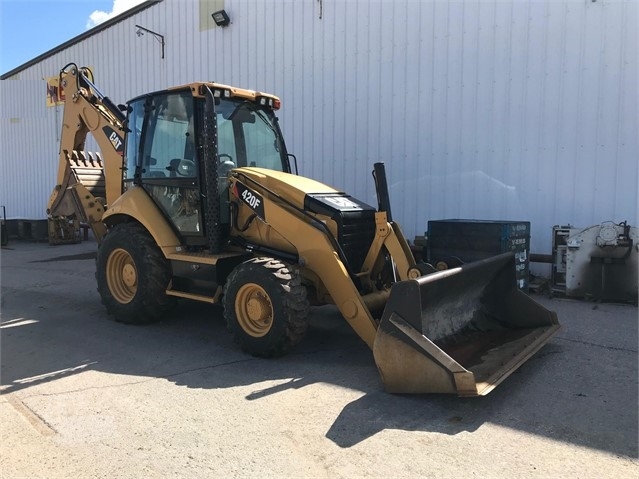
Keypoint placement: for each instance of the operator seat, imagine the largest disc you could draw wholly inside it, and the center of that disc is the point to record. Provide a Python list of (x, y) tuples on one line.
[(173, 167)]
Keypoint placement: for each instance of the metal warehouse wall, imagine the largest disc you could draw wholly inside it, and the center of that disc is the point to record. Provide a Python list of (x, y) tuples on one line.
[(480, 109)]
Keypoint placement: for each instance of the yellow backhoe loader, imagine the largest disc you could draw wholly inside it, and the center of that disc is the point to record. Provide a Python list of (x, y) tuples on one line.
[(193, 196)]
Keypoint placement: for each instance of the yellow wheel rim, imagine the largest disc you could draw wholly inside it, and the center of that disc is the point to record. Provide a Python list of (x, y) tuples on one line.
[(122, 277), (254, 310)]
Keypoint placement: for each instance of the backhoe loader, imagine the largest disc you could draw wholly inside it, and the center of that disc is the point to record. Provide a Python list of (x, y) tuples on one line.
[(194, 196)]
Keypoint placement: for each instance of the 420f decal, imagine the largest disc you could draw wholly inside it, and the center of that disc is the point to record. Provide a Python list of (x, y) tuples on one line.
[(251, 198)]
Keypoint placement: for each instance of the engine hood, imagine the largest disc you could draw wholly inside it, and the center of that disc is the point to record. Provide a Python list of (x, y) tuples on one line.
[(291, 187)]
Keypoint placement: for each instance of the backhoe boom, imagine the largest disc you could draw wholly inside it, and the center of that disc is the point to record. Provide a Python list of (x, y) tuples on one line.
[(87, 110)]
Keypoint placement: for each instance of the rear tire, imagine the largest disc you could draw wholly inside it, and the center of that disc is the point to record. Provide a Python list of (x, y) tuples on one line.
[(265, 307), (132, 275)]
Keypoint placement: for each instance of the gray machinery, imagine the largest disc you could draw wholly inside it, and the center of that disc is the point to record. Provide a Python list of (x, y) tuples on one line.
[(599, 262)]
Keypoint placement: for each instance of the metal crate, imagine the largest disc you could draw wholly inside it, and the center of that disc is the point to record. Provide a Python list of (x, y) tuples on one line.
[(455, 241)]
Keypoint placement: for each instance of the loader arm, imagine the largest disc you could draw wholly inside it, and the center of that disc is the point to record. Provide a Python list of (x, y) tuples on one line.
[(87, 110), (388, 235), (316, 252)]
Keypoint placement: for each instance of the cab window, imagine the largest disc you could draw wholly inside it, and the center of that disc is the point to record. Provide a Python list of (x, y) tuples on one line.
[(169, 138)]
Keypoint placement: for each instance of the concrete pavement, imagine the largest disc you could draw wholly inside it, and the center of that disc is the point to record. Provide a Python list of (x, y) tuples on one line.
[(84, 396)]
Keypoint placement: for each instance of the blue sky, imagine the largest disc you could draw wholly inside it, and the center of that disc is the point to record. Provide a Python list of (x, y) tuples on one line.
[(29, 28)]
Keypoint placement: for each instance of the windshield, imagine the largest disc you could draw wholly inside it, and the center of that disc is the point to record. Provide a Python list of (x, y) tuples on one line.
[(247, 135)]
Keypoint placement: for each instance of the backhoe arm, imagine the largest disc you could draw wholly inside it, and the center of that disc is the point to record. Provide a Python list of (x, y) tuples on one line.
[(85, 182)]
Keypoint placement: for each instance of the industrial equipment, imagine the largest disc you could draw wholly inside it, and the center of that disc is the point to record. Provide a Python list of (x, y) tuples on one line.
[(599, 262), (194, 197)]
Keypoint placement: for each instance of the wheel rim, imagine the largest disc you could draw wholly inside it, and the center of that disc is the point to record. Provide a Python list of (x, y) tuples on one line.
[(122, 277), (254, 310)]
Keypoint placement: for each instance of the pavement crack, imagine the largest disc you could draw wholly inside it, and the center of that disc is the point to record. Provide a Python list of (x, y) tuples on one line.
[(142, 381), (203, 368), (587, 343)]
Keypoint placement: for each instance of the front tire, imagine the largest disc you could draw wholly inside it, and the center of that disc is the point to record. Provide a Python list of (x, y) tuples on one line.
[(132, 275), (265, 307)]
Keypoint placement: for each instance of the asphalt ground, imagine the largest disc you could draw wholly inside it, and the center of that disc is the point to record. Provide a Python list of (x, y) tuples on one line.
[(84, 396)]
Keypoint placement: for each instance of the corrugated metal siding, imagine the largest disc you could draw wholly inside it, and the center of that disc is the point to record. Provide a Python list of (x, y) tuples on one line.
[(480, 109), (24, 169)]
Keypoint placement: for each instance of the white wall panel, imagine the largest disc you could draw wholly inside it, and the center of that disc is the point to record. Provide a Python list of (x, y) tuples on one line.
[(521, 110)]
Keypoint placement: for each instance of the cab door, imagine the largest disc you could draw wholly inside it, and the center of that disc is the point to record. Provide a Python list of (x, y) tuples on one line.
[(168, 163)]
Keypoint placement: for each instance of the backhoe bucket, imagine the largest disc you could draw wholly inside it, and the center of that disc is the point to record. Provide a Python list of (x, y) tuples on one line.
[(463, 330)]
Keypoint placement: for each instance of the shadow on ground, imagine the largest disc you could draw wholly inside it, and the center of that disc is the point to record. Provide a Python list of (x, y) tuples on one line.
[(571, 391)]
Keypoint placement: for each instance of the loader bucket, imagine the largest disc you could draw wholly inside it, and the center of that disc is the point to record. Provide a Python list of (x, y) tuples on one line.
[(462, 330)]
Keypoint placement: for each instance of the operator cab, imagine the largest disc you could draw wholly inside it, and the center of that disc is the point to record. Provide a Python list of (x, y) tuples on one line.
[(164, 150)]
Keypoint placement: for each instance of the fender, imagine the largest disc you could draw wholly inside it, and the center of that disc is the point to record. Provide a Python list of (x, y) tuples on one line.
[(136, 203)]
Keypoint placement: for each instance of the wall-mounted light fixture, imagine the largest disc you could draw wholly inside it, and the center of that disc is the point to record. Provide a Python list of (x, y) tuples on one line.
[(221, 18), (160, 38)]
